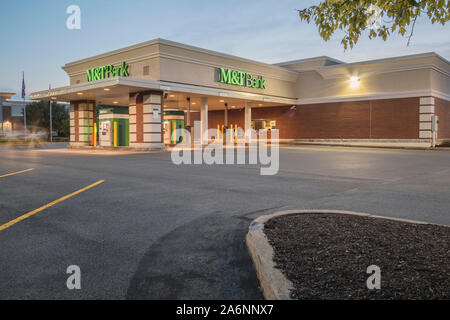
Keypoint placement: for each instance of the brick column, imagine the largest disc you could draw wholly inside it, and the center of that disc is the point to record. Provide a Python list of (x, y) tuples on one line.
[(146, 120), (81, 122), (426, 112)]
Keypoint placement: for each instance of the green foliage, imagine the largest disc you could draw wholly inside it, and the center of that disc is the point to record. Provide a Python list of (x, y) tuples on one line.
[(64, 131), (38, 114), (354, 16)]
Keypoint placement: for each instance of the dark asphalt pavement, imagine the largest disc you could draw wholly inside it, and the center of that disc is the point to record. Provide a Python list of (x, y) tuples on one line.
[(154, 230)]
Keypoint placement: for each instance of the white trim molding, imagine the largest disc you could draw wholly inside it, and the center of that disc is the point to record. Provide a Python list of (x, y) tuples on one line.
[(172, 86), (376, 96)]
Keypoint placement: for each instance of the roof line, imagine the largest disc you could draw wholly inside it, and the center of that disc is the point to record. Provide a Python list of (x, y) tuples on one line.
[(308, 60), (175, 44), (397, 58)]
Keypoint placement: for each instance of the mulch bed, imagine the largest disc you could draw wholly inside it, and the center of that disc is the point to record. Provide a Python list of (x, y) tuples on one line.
[(326, 256)]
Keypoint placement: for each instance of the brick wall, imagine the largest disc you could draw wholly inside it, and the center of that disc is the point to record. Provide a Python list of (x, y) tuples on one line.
[(377, 119), (395, 118), (442, 110)]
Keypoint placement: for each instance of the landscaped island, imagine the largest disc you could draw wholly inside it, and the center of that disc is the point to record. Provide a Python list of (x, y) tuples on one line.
[(326, 256)]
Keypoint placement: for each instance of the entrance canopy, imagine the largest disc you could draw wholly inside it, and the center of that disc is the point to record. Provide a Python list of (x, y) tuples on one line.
[(116, 91)]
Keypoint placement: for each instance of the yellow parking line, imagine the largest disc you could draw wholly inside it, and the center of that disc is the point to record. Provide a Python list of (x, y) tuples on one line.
[(31, 213), (13, 173)]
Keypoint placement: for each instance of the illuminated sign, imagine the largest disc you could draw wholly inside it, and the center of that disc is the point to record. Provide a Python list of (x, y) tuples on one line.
[(239, 78), (107, 71)]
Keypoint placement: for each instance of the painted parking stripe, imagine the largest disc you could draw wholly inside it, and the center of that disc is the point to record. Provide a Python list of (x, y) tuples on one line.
[(32, 213), (18, 172)]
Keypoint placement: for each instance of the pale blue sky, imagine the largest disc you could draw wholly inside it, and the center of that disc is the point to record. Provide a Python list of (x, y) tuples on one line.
[(35, 38)]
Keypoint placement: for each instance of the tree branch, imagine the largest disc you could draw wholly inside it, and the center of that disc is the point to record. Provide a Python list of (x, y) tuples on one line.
[(412, 31)]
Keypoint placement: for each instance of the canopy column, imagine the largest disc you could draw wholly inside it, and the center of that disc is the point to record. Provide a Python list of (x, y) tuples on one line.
[(146, 120), (204, 120), (82, 117)]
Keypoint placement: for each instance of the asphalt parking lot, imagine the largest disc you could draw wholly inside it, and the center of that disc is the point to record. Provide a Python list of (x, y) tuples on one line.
[(154, 230)]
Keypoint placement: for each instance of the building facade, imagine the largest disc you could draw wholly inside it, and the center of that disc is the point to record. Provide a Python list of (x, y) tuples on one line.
[(11, 113), (395, 101)]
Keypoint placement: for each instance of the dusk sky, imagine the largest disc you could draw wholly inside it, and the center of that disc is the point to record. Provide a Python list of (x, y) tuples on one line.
[(35, 38)]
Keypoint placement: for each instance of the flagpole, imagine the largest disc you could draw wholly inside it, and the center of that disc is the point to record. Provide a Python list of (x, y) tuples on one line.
[(24, 106), (25, 117), (51, 125)]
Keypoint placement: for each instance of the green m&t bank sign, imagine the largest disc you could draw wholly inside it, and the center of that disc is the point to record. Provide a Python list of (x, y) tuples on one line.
[(243, 79), (107, 71)]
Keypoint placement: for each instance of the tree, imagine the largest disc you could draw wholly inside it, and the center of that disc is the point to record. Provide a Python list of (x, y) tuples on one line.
[(355, 16), (38, 114), (64, 131)]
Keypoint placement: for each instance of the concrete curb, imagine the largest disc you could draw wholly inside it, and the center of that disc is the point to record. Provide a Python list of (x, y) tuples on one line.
[(274, 285), (24, 146), (362, 146), (116, 149)]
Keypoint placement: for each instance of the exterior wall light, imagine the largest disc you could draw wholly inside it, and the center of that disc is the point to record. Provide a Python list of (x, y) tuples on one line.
[(354, 81)]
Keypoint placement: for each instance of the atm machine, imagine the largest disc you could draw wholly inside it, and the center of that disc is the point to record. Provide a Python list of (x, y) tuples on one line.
[(105, 134)]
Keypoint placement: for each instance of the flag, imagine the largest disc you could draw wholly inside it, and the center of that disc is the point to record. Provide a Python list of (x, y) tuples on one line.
[(23, 85)]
